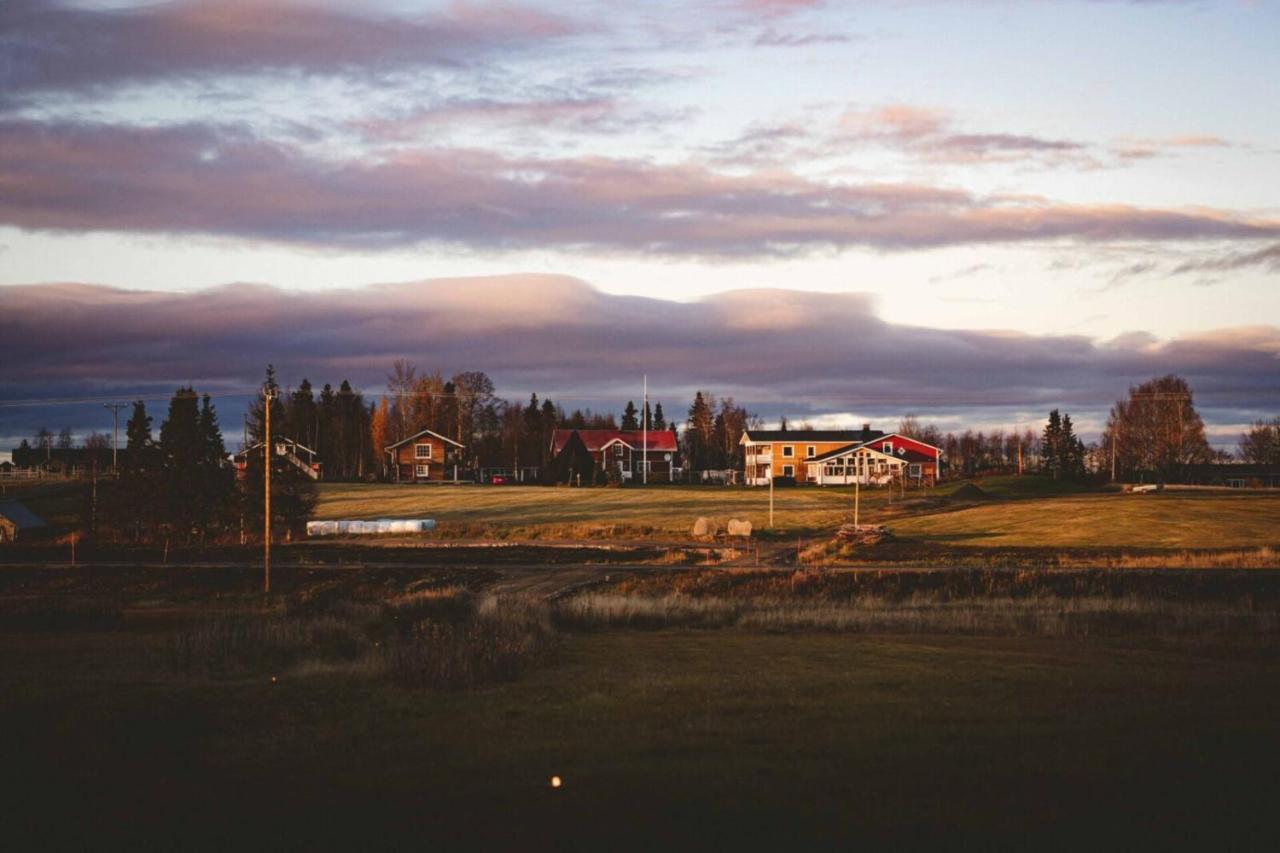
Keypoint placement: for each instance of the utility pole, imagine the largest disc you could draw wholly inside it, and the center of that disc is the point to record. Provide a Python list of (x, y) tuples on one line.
[(857, 496), (268, 394), (1114, 429), (115, 433), (770, 492), (644, 435)]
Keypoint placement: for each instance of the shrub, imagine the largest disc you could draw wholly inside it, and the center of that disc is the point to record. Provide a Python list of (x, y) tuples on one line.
[(499, 639)]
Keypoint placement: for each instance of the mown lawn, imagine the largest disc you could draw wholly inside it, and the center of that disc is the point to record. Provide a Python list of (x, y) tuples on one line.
[(668, 739), (1174, 520)]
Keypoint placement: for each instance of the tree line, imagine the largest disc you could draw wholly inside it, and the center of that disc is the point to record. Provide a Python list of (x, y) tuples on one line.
[(182, 486)]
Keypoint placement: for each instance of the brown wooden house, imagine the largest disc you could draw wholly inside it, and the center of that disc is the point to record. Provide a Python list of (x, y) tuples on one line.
[(426, 457)]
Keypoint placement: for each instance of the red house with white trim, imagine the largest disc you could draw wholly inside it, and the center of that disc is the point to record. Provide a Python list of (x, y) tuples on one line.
[(627, 451)]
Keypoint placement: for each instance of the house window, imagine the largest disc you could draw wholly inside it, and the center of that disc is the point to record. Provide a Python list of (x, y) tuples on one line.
[(914, 470), (421, 470), (788, 450), (810, 451), (422, 451), (617, 450), (788, 470), (888, 447)]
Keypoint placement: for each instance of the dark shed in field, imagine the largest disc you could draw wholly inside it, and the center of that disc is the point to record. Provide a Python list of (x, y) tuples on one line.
[(16, 518)]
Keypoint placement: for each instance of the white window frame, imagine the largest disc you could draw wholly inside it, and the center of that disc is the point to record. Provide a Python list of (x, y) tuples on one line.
[(617, 450), (422, 470), (811, 451), (914, 471), (788, 451), (788, 470), (887, 447), (417, 451)]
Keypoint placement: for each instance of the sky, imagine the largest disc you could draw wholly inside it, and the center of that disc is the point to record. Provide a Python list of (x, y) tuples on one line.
[(973, 210)]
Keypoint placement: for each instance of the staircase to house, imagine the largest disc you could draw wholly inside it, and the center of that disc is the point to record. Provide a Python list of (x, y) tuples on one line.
[(300, 465)]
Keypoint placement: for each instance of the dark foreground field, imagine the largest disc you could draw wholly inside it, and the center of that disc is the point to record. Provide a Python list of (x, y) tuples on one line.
[(1108, 734)]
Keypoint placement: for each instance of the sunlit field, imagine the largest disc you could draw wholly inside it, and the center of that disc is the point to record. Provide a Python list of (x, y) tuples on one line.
[(1026, 513), (1171, 520), (665, 509)]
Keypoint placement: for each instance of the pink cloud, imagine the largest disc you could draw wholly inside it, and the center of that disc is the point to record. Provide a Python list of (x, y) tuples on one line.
[(51, 46), (201, 179)]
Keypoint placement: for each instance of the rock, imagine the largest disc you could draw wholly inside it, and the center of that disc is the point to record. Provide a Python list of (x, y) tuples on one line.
[(739, 527)]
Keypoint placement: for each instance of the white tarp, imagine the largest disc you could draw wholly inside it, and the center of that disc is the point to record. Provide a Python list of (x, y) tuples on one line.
[(363, 528)]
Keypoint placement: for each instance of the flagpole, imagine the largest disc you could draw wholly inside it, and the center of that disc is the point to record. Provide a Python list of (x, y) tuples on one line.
[(644, 433)]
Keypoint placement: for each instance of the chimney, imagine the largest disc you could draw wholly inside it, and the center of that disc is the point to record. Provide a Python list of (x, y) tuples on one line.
[(866, 433)]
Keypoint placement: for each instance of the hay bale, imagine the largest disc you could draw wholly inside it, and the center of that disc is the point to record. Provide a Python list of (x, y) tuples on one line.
[(739, 527), (707, 526)]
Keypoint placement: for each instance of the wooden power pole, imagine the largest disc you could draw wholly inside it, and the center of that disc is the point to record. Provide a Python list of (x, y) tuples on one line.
[(115, 433), (268, 394)]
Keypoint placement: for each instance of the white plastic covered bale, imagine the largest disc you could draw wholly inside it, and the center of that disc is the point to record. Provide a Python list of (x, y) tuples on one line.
[(358, 527)]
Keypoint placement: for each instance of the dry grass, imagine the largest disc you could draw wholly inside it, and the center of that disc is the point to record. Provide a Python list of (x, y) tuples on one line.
[(1040, 615), (442, 638), (534, 512), (1171, 520), (987, 602)]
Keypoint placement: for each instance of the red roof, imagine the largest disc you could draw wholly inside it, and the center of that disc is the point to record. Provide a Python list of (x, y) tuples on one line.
[(660, 440)]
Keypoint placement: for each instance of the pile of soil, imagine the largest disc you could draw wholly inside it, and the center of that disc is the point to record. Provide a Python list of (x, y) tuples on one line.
[(970, 492), (863, 534)]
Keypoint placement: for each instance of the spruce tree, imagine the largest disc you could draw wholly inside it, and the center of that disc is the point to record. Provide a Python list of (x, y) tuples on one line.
[(214, 473), (659, 419), (1051, 445), (182, 451), (630, 419)]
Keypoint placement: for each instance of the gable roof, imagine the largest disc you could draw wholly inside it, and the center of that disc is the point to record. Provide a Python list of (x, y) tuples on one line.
[(797, 436), (596, 440), (24, 518), (850, 448), (900, 452), (418, 435)]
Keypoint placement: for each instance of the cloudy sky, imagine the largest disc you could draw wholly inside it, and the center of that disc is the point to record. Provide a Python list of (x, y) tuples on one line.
[(970, 209)]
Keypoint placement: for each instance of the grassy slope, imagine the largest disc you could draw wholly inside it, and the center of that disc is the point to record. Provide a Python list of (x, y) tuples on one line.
[(706, 739), (1168, 520)]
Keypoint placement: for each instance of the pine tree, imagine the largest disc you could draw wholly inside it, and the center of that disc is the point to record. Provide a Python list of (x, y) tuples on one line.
[(139, 483), (659, 419), (1051, 445), (182, 450), (698, 431), (1071, 451), (138, 441), (216, 481), (630, 421), (301, 422)]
